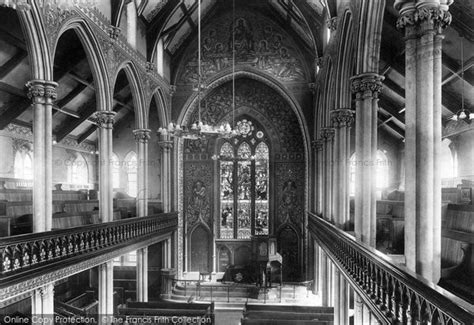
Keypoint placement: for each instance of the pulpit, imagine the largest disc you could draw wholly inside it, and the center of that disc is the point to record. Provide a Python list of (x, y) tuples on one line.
[(264, 253)]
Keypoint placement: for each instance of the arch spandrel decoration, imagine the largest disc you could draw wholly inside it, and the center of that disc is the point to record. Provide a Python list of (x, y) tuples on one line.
[(258, 97), (259, 42)]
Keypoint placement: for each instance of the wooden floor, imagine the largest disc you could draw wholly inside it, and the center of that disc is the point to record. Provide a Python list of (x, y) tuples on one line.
[(228, 317)]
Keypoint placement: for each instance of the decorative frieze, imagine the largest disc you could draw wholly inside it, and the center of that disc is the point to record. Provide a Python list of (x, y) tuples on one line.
[(104, 119), (367, 85), (142, 135), (342, 117)]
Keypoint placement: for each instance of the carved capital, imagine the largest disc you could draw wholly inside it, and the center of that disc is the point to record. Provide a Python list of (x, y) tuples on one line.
[(331, 23), (150, 67), (342, 117), (172, 90), (318, 144), (142, 135), (166, 144), (114, 32), (42, 89), (327, 134), (104, 119), (440, 18), (367, 85), (318, 61)]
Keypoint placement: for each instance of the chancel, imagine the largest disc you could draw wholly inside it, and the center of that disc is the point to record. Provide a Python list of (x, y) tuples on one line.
[(236, 162)]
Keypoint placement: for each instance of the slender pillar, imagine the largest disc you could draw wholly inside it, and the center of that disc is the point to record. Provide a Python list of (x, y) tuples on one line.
[(328, 135), (42, 304), (342, 120), (366, 87), (105, 121), (106, 291), (330, 279), (142, 274), (358, 309), (319, 176), (141, 137), (316, 279), (343, 296), (42, 94), (323, 277), (166, 146), (423, 23), (336, 300)]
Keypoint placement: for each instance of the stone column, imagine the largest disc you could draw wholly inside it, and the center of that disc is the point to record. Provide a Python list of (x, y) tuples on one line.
[(166, 177), (327, 134), (106, 291), (423, 23), (142, 274), (358, 309), (336, 300), (366, 87), (141, 137), (42, 304), (42, 94), (323, 277), (316, 280), (319, 176), (105, 121), (342, 120), (343, 296)]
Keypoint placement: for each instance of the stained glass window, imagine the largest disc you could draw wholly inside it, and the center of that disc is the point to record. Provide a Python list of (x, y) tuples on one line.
[(244, 182)]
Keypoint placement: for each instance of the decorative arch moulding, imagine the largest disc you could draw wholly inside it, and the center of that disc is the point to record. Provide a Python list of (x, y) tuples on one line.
[(56, 20)]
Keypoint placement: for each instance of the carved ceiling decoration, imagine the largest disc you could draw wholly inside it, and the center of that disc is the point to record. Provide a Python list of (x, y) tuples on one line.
[(217, 108), (259, 42)]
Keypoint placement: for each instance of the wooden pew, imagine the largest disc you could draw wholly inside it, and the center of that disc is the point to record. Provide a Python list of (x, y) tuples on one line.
[(281, 314), (168, 309)]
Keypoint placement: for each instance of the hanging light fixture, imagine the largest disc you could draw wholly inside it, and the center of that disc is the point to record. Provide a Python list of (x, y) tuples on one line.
[(464, 113), (199, 130)]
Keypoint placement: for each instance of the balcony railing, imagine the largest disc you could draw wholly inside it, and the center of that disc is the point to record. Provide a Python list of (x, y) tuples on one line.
[(393, 293), (32, 254)]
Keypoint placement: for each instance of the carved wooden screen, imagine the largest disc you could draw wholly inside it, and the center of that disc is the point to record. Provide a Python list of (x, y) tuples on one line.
[(244, 170)]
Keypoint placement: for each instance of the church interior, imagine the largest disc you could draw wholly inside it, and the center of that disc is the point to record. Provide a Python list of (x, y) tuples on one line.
[(237, 162)]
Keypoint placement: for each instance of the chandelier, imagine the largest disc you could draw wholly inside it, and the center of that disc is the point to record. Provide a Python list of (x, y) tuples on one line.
[(199, 129), (464, 113)]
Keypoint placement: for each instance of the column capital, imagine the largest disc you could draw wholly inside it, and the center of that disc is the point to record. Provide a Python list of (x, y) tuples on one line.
[(172, 90), (42, 89), (366, 85), (104, 119), (114, 32), (331, 23), (142, 135), (150, 67), (165, 144), (438, 15), (327, 134), (318, 144), (342, 117)]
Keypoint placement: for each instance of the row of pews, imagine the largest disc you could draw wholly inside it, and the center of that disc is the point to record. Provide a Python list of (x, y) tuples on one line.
[(166, 312), (457, 241), (70, 209), (286, 315)]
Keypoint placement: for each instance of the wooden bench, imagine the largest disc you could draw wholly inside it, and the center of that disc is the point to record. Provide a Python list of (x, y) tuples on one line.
[(281, 314), (15, 195), (169, 309)]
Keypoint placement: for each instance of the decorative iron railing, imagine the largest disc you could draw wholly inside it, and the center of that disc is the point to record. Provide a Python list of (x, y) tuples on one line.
[(28, 254), (393, 293)]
